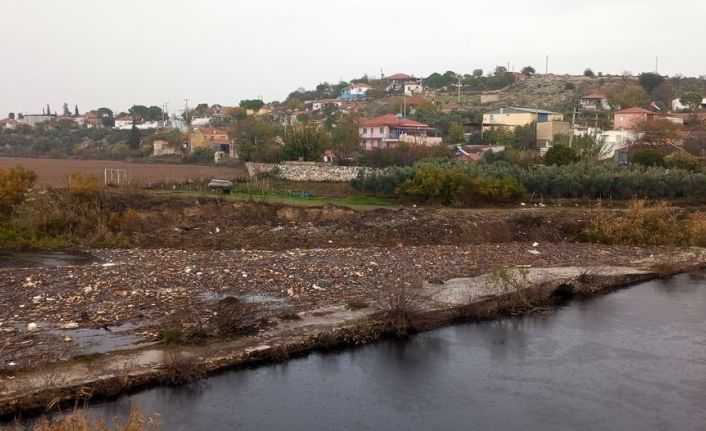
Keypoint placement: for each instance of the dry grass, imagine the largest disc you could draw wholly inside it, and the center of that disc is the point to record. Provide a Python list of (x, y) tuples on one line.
[(78, 421), (641, 224), (513, 286), (401, 303), (181, 368)]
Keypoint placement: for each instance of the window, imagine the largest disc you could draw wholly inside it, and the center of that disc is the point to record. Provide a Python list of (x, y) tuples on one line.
[(382, 130), (365, 130)]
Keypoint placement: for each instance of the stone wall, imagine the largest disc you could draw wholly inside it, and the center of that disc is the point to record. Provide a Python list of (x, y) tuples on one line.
[(306, 171)]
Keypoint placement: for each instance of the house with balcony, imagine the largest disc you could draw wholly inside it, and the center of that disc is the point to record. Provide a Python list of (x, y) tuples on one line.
[(388, 131), (594, 102)]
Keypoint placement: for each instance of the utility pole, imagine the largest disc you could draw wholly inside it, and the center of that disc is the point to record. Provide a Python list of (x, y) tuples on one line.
[(546, 65), (459, 88), (657, 65), (573, 124)]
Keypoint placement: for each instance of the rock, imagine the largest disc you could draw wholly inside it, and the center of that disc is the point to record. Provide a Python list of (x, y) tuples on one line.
[(67, 338), (191, 270), (122, 293), (533, 252), (32, 327), (70, 325), (536, 244), (317, 287), (108, 264), (87, 290), (29, 283)]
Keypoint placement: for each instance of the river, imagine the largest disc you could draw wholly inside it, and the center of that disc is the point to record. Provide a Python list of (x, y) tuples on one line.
[(631, 360)]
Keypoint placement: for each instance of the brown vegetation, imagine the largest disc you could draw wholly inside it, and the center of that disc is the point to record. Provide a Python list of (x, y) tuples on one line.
[(79, 421), (641, 224), (56, 172)]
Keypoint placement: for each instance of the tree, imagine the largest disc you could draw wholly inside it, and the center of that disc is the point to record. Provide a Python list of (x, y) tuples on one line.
[(692, 100), (659, 131), (499, 136), (528, 70), (202, 110), (589, 73), (307, 143), (588, 148), (681, 159), (500, 70), (255, 140), (76, 114), (106, 117), (345, 138), (456, 134), (664, 93), (560, 155), (625, 96), (48, 110), (139, 112), (154, 113), (478, 73), (649, 81), (11, 115), (135, 136), (253, 104), (67, 112), (649, 157)]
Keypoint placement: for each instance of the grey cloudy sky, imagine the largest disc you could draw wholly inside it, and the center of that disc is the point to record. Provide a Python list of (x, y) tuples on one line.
[(119, 53)]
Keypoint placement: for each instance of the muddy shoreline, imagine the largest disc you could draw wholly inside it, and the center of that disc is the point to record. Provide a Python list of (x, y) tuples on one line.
[(345, 329)]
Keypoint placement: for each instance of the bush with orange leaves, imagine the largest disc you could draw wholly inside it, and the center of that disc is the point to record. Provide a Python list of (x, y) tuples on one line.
[(14, 185)]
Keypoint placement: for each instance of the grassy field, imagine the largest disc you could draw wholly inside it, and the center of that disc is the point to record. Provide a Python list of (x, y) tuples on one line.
[(355, 201)]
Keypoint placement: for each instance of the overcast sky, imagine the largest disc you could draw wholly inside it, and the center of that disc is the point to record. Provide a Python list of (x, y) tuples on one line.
[(119, 53)]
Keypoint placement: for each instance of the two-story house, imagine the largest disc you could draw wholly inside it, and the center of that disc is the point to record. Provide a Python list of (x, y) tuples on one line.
[(628, 119), (388, 131), (210, 138), (594, 102)]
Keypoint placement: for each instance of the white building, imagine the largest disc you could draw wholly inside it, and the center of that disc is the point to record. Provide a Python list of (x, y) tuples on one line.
[(678, 106), (413, 89)]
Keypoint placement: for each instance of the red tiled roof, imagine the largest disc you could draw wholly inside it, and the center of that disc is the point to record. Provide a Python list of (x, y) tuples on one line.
[(392, 120), (399, 77), (361, 85), (635, 110), (8, 121), (594, 96)]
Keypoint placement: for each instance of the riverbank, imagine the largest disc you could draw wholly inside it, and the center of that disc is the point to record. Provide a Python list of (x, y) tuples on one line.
[(335, 319)]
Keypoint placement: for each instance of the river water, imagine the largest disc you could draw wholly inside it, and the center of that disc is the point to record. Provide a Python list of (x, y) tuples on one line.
[(631, 360)]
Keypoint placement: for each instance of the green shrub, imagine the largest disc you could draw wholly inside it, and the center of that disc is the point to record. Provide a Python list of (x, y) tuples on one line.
[(649, 157), (561, 155)]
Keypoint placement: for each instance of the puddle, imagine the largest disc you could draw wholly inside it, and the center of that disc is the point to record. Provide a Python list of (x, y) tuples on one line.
[(44, 259), (101, 340)]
